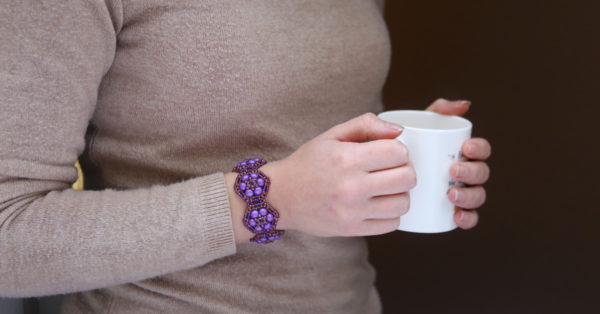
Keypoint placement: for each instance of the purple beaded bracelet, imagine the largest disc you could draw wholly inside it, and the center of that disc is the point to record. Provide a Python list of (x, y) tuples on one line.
[(252, 185)]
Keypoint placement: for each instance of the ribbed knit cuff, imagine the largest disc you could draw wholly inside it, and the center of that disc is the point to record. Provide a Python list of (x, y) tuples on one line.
[(215, 226)]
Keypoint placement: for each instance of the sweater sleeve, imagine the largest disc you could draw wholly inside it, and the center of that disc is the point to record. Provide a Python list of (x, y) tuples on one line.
[(57, 240)]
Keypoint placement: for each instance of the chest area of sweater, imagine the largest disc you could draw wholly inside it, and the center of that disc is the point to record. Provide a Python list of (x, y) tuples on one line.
[(186, 63)]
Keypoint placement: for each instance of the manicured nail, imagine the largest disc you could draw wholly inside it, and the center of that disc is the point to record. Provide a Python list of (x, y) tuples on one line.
[(461, 172), (459, 196), (393, 126), (465, 103), (461, 216)]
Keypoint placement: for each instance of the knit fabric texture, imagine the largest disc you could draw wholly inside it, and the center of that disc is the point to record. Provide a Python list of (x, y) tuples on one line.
[(157, 99)]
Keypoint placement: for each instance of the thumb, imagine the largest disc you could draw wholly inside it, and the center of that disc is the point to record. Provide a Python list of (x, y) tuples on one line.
[(363, 128), (448, 107)]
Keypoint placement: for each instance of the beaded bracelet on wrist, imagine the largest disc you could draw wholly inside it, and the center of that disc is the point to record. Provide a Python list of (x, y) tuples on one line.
[(252, 185)]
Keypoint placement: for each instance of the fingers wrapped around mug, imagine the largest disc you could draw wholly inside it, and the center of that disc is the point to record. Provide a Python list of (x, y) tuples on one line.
[(387, 206), (467, 197), (466, 219), (477, 149), (470, 172), (381, 154), (390, 181)]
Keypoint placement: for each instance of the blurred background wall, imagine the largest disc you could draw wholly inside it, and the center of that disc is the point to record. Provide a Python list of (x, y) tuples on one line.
[(531, 69)]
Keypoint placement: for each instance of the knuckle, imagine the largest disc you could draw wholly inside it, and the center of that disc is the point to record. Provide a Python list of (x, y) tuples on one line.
[(342, 159), (401, 150), (338, 158), (404, 204), (411, 177), (368, 119), (439, 101)]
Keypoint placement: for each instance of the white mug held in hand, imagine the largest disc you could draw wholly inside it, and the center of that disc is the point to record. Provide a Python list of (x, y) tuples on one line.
[(434, 143)]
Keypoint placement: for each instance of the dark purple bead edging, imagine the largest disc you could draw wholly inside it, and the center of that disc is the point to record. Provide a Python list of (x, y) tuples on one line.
[(252, 185), (250, 164)]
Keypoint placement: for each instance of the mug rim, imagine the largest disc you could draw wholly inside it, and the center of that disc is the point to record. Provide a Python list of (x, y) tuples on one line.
[(467, 124)]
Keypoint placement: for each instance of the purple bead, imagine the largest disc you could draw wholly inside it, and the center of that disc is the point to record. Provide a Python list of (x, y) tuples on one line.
[(271, 238), (254, 214), (243, 163), (249, 193), (269, 217), (254, 175), (276, 237), (260, 182), (258, 228), (257, 191), (252, 222), (245, 177), (263, 211), (242, 186), (267, 226), (251, 161)]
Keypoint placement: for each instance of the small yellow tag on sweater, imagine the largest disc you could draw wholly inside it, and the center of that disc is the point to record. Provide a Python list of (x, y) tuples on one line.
[(78, 185)]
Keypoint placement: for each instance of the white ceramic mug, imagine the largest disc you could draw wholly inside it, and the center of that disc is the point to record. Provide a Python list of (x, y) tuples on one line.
[(434, 143)]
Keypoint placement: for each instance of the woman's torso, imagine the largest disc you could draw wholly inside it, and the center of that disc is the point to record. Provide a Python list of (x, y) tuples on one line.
[(198, 87)]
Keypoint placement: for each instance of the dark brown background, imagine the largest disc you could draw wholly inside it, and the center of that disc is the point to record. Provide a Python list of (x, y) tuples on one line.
[(531, 69)]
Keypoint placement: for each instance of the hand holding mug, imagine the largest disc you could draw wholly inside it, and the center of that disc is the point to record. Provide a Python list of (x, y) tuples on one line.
[(342, 184), (474, 172), (354, 180)]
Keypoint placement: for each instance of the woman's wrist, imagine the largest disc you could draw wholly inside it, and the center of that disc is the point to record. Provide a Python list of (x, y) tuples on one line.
[(275, 197)]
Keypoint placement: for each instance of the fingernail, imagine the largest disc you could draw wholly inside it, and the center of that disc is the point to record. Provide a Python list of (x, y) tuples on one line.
[(459, 196), (465, 103), (461, 172), (461, 216), (393, 126)]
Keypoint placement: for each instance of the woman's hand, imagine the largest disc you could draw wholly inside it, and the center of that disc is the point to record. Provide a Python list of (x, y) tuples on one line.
[(342, 184), (474, 172)]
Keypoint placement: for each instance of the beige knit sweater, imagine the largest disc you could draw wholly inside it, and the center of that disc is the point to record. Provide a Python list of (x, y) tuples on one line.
[(157, 99)]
